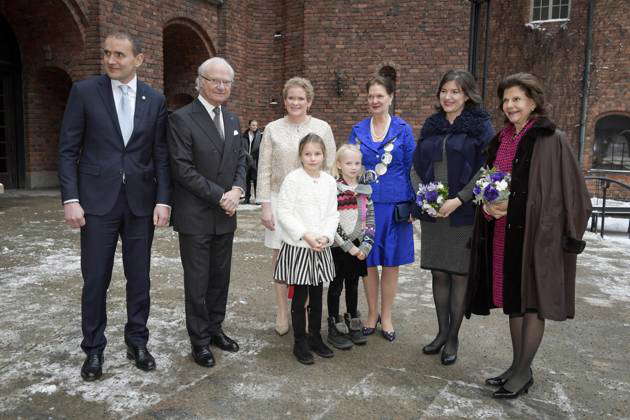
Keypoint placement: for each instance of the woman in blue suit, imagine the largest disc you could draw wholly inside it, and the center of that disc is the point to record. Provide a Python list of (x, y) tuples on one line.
[(387, 145)]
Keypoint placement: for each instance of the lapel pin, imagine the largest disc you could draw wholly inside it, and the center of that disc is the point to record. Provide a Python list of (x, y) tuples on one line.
[(144, 98)]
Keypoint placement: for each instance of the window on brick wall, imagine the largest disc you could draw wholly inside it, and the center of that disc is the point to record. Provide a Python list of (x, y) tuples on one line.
[(611, 149), (550, 10)]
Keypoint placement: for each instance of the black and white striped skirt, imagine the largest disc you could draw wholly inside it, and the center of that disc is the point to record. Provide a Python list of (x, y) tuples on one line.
[(303, 266)]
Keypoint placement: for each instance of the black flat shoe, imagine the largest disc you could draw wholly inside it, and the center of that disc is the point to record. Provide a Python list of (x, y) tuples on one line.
[(203, 356), (224, 342), (141, 356), (449, 359), (433, 347), (92, 368), (503, 393)]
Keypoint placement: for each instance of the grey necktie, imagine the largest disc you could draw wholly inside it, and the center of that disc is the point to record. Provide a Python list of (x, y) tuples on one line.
[(217, 121), (124, 114)]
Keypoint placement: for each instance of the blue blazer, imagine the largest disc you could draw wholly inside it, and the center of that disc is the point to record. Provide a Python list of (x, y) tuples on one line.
[(468, 136), (395, 185), (93, 157)]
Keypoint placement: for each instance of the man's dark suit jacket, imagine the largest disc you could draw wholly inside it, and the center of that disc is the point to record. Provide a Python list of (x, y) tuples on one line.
[(252, 157), (93, 156), (204, 167)]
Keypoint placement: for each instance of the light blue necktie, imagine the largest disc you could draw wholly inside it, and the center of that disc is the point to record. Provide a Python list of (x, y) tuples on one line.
[(124, 114)]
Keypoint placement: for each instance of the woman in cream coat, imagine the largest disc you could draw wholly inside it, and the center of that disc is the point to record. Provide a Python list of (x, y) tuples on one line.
[(278, 157)]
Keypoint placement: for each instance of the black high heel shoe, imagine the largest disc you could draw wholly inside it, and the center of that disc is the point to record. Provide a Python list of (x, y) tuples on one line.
[(496, 381), (369, 330), (503, 393), (501, 380), (433, 347), (449, 359)]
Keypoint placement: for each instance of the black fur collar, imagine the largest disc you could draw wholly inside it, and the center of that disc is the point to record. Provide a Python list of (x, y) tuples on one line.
[(542, 127), (470, 122)]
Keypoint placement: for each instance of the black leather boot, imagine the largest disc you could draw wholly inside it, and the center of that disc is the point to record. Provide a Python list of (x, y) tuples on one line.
[(315, 341)]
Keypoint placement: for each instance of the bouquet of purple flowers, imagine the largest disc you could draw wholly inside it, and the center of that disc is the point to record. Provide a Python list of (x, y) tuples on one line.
[(431, 196), (493, 186)]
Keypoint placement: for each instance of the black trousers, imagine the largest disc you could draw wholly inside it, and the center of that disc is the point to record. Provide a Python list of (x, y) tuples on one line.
[(99, 238), (207, 261)]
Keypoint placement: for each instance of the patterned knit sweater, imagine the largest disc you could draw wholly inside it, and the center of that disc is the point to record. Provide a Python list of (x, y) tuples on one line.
[(356, 217)]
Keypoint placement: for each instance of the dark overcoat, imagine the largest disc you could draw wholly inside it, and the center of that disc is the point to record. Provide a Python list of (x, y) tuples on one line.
[(548, 210)]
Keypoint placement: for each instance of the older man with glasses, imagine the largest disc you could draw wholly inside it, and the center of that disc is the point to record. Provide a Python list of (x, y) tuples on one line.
[(208, 165)]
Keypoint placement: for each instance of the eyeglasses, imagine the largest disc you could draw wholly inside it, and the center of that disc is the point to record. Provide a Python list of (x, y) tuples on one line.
[(217, 82)]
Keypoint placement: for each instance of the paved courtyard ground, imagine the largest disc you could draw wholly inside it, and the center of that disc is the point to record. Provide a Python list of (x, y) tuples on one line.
[(581, 371)]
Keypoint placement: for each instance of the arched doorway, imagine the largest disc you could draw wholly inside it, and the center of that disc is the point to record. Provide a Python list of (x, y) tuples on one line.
[(11, 143), (185, 47)]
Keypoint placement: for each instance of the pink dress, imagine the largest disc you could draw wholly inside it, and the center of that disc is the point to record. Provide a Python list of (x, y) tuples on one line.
[(508, 144)]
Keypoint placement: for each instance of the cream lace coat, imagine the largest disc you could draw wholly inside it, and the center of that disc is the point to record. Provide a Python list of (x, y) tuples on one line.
[(279, 152)]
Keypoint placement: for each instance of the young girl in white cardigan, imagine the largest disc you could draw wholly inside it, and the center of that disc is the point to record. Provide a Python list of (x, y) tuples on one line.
[(308, 218)]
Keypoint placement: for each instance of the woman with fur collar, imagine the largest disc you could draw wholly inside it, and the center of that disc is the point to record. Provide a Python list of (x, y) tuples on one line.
[(524, 251), (450, 151)]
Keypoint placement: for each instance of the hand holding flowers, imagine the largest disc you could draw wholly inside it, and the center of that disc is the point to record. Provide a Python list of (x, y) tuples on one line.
[(431, 197), (492, 190)]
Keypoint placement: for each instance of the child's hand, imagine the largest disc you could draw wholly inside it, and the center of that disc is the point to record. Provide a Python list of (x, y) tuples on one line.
[(354, 251), (313, 242), (361, 256), (323, 241)]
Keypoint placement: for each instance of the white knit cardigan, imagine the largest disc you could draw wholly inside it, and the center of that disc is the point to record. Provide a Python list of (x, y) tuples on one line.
[(307, 204)]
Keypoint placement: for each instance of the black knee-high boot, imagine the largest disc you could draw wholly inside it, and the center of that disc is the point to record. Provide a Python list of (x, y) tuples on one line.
[(298, 319), (315, 341)]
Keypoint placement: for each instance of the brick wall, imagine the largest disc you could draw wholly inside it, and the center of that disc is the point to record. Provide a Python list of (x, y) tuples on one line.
[(555, 52), (321, 40), (357, 38)]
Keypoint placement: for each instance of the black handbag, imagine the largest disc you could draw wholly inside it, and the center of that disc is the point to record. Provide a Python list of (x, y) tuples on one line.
[(402, 211)]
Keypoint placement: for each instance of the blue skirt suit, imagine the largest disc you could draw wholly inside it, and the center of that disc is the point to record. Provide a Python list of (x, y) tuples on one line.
[(393, 242)]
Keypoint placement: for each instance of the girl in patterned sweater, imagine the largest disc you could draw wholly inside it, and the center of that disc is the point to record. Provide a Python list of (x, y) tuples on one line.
[(353, 242)]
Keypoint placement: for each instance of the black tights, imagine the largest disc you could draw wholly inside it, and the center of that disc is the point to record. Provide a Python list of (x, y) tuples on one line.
[(449, 294), (334, 293), (527, 332), (298, 315)]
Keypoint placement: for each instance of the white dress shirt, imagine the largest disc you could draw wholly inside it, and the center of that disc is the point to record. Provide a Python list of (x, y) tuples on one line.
[(133, 89), (210, 108)]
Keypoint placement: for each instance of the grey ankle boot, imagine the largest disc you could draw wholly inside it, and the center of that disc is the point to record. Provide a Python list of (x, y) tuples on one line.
[(355, 328), (338, 334)]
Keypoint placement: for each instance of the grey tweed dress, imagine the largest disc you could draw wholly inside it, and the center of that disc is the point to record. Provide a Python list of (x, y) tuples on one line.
[(444, 247)]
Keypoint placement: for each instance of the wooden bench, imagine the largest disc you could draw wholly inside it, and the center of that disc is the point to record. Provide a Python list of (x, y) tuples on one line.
[(604, 210)]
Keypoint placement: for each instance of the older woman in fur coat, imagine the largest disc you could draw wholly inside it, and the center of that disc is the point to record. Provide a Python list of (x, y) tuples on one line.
[(524, 250)]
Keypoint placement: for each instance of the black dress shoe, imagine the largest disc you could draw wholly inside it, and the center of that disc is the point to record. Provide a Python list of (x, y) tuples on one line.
[(142, 357), (203, 356), (224, 342), (501, 380), (92, 368), (496, 381), (503, 393), (433, 347), (448, 358)]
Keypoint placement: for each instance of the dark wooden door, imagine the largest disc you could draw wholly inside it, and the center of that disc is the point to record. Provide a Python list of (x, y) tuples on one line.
[(8, 151)]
